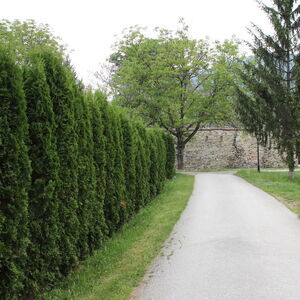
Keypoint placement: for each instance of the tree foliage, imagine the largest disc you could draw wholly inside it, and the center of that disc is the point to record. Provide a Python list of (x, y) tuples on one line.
[(89, 171), (174, 81), (269, 100), (22, 37)]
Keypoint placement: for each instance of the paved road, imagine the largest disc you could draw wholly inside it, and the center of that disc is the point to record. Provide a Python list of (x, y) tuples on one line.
[(233, 242)]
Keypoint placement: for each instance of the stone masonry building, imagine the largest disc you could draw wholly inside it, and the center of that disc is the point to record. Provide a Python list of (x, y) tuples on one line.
[(213, 148)]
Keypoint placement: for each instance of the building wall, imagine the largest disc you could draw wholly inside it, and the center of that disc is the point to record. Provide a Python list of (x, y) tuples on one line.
[(227, 148)]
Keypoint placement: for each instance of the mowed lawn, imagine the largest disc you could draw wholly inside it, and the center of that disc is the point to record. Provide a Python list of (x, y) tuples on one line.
[(114, 271), (277, 184)]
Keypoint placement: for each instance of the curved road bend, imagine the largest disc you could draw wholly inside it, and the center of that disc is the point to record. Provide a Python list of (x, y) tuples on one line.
[(232, 242)]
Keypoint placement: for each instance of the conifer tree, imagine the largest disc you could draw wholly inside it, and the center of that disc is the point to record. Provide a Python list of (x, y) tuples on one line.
[(14, 179), (271, 80), (95, 102), (90, 206), (161, 160), (115, 181), (118, 175), (86, 173), (61, 84), (154, 157), (170, 159), (142, 167), (129, 145), (43, 198)]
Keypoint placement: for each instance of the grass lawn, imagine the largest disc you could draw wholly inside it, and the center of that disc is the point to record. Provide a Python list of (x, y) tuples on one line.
[(207, 170), (277, 184), (114, 271), (226, 169)]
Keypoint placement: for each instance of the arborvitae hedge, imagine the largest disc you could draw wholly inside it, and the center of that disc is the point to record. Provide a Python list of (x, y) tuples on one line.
[(63, 97), (92, 170), (43, 205), (130, 152), (99, 154), (86, 175), (142, 167), (14, 180), (170, 155)]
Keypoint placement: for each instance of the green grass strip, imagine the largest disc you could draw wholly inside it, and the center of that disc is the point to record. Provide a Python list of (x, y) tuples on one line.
[(228, 169), (277, 184), (113, 272)]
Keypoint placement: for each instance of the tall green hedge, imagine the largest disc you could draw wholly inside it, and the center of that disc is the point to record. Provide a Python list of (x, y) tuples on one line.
[(91, 170), (14, 180), (43, 205), (95, 101), (63, 98)]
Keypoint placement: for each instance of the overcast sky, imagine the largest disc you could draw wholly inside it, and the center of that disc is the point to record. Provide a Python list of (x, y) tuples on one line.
[(90, 27)]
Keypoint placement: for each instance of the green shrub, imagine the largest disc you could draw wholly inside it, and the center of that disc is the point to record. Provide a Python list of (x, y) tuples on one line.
[(92, 170), (14, 179), (61, 85), (161, 159), (43, 198), (154, 172), (86, 175), (170, 158), (115, 181), (130, 149), (142, 168), (99, 228)]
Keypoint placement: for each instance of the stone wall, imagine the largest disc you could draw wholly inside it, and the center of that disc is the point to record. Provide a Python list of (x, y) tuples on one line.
[(227, 148)]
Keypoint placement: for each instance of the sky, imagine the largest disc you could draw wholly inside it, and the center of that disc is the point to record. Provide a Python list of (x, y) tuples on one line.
[(91, 27)]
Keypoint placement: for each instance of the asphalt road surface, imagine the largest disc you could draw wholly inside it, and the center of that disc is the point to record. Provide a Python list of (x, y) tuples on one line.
[(232, 242)]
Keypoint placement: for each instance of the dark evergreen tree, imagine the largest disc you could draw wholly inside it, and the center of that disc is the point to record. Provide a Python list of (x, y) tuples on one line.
[(14, 179), (86, 173), (170, 159), (142, 167), (99, 226), (118, 175), (161, 159), (61, 82), (271, 81), (115, 181), (43, 198), (129, 146), (253, 114), (154, 167)]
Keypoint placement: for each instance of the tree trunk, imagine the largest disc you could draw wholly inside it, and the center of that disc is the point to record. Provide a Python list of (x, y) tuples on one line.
[(291, 162), (180, 151)]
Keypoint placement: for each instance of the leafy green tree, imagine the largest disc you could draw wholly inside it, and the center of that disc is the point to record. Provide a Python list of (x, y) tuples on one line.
[(43, 198), (24, 36), (174, 81), (14, 179), (270, 94), (61, 85)]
